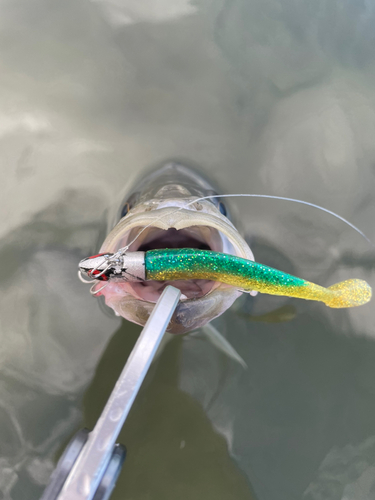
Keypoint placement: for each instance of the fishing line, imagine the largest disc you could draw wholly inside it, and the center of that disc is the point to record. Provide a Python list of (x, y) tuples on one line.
[(274, 197), (251, 196)]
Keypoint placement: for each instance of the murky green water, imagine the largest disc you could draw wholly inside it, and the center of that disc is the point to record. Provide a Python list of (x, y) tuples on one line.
[(268, 97)]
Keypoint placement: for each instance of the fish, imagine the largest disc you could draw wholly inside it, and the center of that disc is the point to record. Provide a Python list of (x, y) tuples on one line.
[(161, 210)]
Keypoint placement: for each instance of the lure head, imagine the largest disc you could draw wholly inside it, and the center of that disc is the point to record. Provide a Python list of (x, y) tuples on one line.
[(159, 210), (115, 267), (95, 266)]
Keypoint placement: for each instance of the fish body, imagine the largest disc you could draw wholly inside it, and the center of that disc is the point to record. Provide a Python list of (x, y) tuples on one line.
[(161, 201)]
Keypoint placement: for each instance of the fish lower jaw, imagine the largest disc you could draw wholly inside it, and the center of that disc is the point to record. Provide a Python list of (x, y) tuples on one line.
[(150, 291), (189, 315)]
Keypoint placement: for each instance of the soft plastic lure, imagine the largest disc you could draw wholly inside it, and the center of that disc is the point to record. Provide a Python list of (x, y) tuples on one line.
[(190, 263)]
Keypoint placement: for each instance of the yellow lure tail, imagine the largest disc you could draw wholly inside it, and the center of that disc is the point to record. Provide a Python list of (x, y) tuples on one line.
[(349, 293), (189, 263)]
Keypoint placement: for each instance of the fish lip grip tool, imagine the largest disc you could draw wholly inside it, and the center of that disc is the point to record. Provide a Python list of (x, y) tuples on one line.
[(90, 465)]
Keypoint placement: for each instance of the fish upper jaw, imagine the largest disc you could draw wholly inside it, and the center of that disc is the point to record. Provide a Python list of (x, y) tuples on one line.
[(175, 217)]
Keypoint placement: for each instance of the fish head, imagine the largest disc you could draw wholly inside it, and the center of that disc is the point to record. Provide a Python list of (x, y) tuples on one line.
[(163, 211)]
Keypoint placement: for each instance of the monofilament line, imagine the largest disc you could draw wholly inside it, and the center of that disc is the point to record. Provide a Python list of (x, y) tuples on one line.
[(274, 197)]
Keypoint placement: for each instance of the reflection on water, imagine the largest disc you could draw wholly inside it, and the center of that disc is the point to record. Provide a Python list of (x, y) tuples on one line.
[(349, 471), (280, 94)]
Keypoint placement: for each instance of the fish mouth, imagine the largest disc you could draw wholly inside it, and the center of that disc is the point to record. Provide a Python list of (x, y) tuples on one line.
[(168, 228)]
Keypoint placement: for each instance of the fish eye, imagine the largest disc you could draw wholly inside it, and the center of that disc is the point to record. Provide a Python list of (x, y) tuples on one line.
[(217, 202), (124, 210), (129, 204), (222, 208)]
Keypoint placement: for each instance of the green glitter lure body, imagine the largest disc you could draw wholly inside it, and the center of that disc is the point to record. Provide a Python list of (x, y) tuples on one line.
[(193, 264), (189, 263)]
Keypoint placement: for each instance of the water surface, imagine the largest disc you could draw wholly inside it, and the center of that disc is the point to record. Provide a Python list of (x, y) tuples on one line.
[(268, 97)]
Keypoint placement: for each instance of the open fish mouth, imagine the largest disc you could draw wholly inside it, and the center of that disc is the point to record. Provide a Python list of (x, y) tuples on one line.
[(173, 227)]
